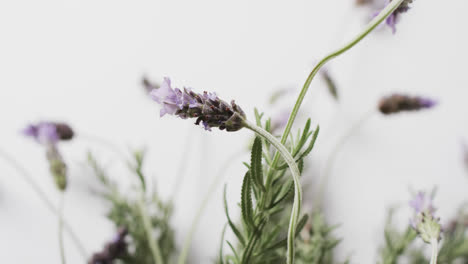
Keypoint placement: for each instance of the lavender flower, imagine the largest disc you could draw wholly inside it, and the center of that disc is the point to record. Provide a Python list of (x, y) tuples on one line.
[(397, 103), (424, 220), (207, 108), (149, 86), (112, 250), (393, 19), (49, 132)]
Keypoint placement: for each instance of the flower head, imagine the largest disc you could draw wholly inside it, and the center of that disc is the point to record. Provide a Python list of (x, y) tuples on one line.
[(424, 220), (398, 103), (114, 249), (393, 19), (49, 132), (207, 108)]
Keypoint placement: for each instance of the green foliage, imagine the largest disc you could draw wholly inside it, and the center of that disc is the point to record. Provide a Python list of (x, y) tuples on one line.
[(266, 206), (124, 211), (396, 242)]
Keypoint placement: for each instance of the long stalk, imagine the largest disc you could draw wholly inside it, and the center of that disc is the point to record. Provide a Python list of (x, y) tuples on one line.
[(371, 26), (296, 210), (201, 209), (435, 251), (60, 227), (43, 197), (155, 250)]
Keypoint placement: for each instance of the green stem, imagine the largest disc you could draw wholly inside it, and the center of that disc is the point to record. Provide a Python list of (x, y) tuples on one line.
[(201, 209), (371, 26), (155, 251), (330, 162), (435, 251), (43, 197), (296, 210), (60, 228)]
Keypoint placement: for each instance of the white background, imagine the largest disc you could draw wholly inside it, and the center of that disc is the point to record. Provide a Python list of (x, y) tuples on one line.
[(82, 62)]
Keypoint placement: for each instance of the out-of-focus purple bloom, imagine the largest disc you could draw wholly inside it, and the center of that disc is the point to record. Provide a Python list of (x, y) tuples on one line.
[(424, 220), (393, 19), (113, 250), (49, 132), (148, 85), (397, 103), (207, 108)]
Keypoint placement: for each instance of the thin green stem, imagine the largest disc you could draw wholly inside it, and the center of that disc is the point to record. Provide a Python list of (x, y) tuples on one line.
[(371, 26), (60, 228), (155, 250), (435, 251), (330, 162), (296, 210), (219, 176), (43, 197)]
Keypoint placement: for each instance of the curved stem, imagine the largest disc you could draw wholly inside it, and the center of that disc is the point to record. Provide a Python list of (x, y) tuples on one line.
[(155, 250), (330, 162), (43, 197), (296, 210), (181, 170), (388, 10), (435, 251), (206, 199), (60, 228)]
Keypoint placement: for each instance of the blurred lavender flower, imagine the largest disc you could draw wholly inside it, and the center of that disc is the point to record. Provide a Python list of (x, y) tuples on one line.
[(207, 108), (331, 84), (48, 134), (112, 250), (398, 103), (364, 2), (424, 220), (393, 19)]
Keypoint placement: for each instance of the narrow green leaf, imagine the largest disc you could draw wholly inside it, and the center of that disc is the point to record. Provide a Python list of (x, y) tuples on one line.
[(221, 254), (234, 229), (256, 163), (233, 251), (304, 137), (246, 201), (283, 242), (311, 144)]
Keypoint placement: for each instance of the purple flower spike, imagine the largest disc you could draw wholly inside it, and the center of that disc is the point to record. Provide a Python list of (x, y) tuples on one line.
[(49, 132), (424, 220), (207, 108), (399, 103)]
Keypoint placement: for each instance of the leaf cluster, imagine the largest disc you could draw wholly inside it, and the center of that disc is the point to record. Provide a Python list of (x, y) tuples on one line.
[(124, 212)]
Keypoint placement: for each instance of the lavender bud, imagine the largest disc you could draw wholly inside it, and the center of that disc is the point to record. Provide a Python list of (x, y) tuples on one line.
[(57, 167), (424, 220), (364, 2), (112, 250), (397, 103), (207, 108)]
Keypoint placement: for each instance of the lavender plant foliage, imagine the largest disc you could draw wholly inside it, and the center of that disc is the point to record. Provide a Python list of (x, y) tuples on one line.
[(124, 211), (260, 236), (397, 103), (207, 108)]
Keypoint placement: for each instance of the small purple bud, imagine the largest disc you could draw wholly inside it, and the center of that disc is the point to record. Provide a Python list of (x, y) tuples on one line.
[(393, 19), (112, 250)]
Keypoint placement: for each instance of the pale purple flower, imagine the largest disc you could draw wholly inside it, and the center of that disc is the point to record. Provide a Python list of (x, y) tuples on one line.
[(424, 220), (207, 108), (167, 97)]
